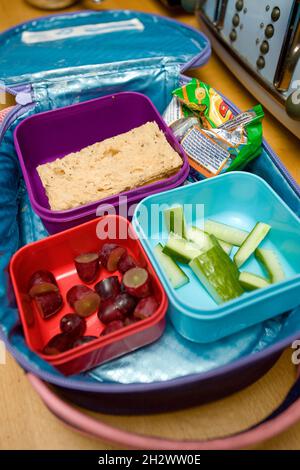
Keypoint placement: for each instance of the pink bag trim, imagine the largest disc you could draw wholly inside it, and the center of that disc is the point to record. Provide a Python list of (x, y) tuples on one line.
[(87, 425)]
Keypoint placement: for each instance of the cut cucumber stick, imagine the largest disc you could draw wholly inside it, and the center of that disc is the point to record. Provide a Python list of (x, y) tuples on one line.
[(232, 267), (226, 233), (204, 241), (175, 274), (200, 238), (251, 281), (271, 263), (227, 247), (175, 221), (212, 271), (250, 244), (181, 249)]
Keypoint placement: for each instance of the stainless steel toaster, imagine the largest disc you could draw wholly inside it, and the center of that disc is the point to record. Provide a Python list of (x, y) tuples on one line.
[(259, 41)]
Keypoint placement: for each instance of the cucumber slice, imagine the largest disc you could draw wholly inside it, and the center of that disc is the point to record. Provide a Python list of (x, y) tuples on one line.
[(232, 267), (226, 233), (251, 281), (175, 274), (203, 240), (227, 247), (175, 221), (271, 263), (254, 238), (181, 249), (213, 273), (200, 238)]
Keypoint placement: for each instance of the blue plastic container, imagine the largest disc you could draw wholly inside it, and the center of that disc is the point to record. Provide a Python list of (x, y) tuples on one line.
[(239, 199)]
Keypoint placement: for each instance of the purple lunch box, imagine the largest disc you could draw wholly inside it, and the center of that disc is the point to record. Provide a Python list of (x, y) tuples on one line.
[(53, 134)]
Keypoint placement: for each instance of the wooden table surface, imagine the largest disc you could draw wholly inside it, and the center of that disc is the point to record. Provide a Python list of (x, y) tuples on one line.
[(27, 424)]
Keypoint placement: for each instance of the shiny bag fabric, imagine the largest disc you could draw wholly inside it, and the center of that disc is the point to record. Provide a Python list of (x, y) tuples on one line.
[(65, 59)]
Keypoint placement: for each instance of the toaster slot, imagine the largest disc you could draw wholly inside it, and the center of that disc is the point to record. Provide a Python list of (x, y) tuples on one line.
[(290, 54), (221, 12)]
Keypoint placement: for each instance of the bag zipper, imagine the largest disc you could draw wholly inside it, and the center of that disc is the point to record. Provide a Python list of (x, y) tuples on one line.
[(24, 102)]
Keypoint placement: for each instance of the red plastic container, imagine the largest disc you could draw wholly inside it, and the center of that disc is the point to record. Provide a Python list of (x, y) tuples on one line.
[(56, 254)]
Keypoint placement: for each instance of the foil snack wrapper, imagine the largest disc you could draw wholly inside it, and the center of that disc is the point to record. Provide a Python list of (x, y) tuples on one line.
[(214, 139)]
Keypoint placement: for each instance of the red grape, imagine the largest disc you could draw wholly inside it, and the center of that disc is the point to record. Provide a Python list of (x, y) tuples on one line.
[(76, 293), (42, 282), (114, 258), (137, 282), (73, 325), (87, 266), (49, 303), (87, 305), (108, 288), (41, 276), (40, 289), (58, 344), (105, 251), (110, 311), (83, 340), (112, 327), (123, 288), (126, 262), (117, 308), (84, 300), (130, 321), (125, 303), (145, 308)]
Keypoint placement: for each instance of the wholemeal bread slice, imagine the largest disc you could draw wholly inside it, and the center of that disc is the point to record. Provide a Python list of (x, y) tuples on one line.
[(110, 167)]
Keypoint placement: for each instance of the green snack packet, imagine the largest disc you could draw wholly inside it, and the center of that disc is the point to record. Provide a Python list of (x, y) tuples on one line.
[(246, 125), (228, 147), (249, 123), (176, 111), (204, 102)]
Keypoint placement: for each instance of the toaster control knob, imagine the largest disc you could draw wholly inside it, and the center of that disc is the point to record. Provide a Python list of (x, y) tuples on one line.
[(236, 20), (188, 5), (269, 31), (275, 14), (233, 35), (264, 48), (292, 106), (260, 62), (239, 5)]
